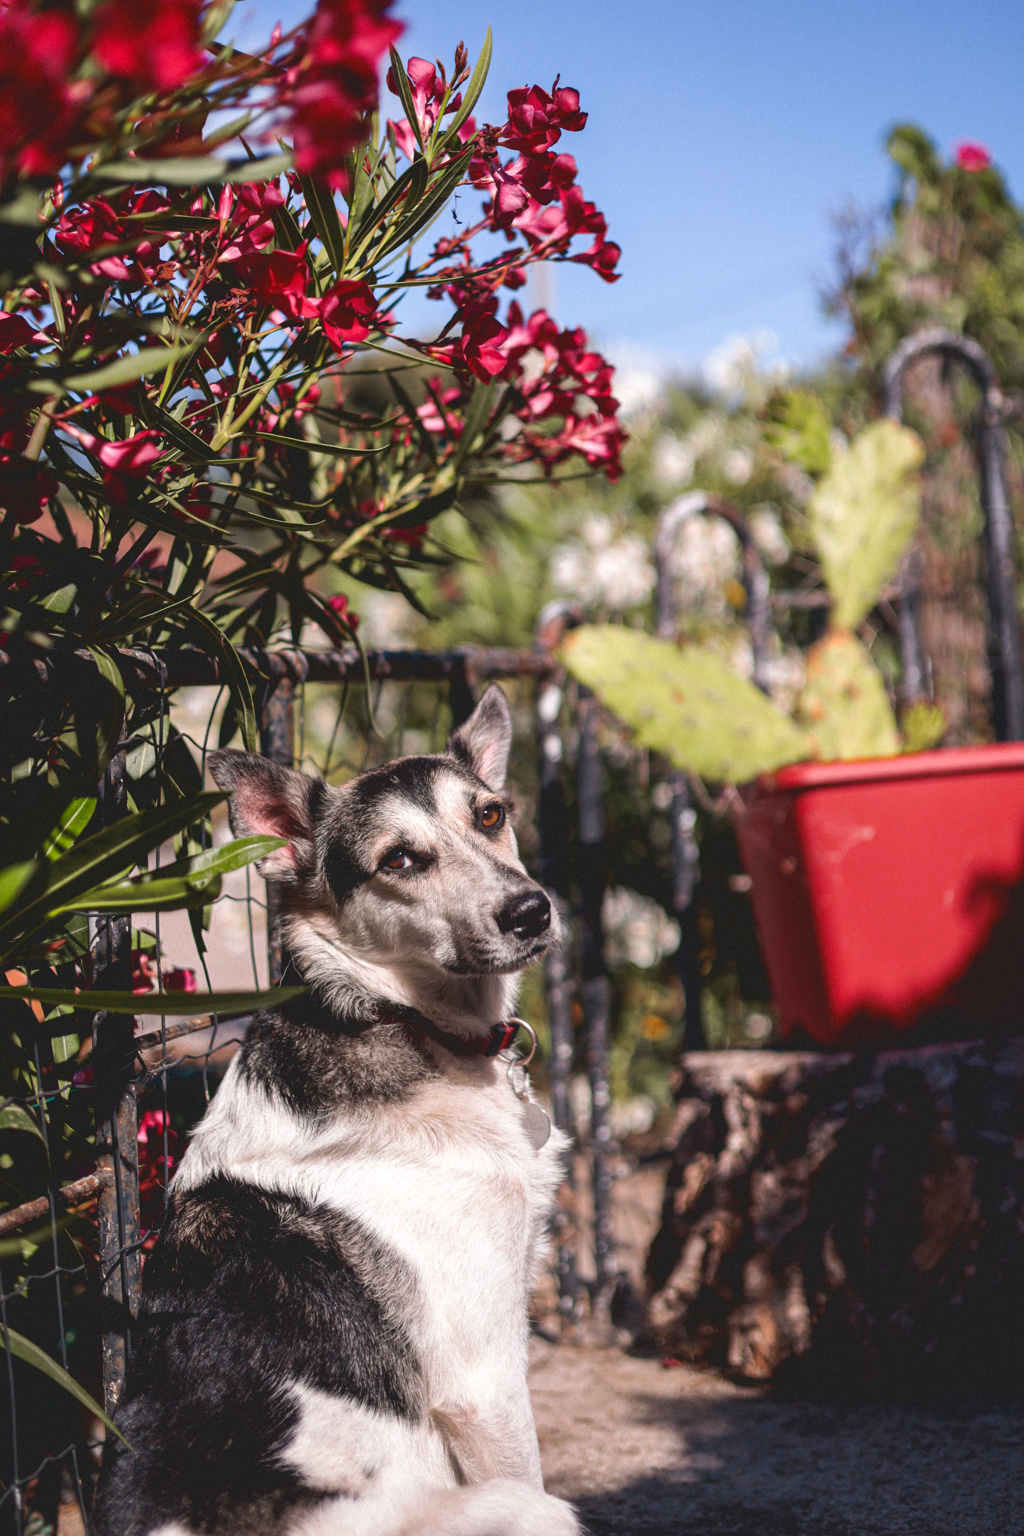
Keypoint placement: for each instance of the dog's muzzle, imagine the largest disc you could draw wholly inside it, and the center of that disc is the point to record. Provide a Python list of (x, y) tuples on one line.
[(526, 916)]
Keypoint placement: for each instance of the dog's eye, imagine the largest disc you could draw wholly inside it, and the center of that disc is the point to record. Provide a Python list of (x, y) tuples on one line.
[(491, 817), (398, 859)]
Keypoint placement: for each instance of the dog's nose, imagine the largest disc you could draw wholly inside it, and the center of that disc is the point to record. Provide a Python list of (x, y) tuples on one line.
[(526, 916)]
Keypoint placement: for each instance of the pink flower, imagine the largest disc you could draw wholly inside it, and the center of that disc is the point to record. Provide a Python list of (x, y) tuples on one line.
[(15, 332), (536, 119), (278, 280), (333, 89), (348, 312), (338, 605), (25, 488), (181, 979), (972, 157), (39, 109), (155, 45)]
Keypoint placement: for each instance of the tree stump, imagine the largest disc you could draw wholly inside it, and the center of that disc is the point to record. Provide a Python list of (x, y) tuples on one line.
[(843, 1222)]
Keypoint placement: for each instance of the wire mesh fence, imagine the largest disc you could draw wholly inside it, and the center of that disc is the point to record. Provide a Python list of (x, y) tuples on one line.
[(121, 1098)]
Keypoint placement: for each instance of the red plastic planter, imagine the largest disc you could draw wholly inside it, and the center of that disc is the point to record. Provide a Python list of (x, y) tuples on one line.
[(890, 890)]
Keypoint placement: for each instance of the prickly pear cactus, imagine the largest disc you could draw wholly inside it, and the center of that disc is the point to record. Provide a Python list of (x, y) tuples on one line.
[(844, 706), (863, 515), (687, 703)]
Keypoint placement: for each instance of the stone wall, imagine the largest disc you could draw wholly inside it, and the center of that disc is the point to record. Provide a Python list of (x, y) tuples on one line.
[(847, 1221)]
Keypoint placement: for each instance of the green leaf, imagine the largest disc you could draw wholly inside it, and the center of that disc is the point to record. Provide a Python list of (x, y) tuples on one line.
[(923, 726), (75, 819), (314, 445), (686, 703), (13, 881), (475, 86), (322, 210), (190, 882), (185, 1003), (124, 370), (196, 171), (14, 1118), (799, 427), (104, 855), (864, 513), (405, 94), (155, 894), (844, 704), (240, 689), (33, 1355)]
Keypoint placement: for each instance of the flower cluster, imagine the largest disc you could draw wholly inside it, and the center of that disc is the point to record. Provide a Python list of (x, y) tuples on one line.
[(60, 67), (334, 85)]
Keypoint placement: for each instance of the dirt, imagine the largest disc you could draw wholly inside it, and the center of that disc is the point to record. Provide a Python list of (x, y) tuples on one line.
[(648, 1451)]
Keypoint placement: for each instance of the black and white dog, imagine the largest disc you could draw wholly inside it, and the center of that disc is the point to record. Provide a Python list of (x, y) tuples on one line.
[(333, 1336)]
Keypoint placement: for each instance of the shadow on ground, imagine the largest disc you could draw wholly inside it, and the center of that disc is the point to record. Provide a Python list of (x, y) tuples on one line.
[(644, 1451)]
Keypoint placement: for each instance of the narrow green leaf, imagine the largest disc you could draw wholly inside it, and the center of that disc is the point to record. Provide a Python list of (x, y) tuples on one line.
[(239, 682), (14, 1118), (123, 371), (158, 894), (322, 210), (405, 94), (33, 1355), (313, 445), (74, 821), (199, 1003), (13, 881), (475, 86)]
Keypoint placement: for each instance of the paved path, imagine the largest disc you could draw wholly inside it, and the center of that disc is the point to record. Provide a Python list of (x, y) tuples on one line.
[(645, 1451)]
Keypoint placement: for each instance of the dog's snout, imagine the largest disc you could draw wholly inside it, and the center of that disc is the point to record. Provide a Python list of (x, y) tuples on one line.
[(527, 915)]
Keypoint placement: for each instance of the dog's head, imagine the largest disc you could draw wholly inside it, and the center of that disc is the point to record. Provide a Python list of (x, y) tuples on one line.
[(409, 869)]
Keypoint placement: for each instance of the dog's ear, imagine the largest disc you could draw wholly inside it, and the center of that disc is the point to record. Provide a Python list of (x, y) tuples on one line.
[(271, 801), (484, 742)]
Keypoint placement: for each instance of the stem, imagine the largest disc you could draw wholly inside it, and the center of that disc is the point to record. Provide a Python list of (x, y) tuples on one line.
[(41, 428)]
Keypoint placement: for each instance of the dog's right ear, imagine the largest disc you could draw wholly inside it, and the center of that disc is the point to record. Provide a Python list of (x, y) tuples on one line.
[(272, 801)]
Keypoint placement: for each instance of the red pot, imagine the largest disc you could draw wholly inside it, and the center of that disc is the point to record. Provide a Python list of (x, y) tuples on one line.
[(888, 892)]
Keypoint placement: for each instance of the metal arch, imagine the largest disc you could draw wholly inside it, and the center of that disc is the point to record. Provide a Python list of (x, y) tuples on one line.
[(685, 852), (1004, 637), (755, 577)]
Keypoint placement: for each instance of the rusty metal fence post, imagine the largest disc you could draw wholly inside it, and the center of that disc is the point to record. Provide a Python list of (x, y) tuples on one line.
[(277, 741), (117, 1147), (595, 989), (1006, 663)]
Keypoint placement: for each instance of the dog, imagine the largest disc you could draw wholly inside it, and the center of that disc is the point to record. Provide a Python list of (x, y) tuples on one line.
[(333, 1331)]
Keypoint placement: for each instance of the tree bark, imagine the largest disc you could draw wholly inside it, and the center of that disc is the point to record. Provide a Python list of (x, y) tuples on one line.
[(846, 1221)]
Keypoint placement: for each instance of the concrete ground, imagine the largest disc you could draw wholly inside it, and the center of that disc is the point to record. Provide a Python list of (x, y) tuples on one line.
[(646, 1451)]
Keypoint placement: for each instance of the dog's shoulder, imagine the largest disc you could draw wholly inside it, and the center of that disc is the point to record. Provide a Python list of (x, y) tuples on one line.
[(319, 1063)]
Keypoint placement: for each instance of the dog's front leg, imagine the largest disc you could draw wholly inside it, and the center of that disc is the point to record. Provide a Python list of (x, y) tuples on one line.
[(493, 1436)]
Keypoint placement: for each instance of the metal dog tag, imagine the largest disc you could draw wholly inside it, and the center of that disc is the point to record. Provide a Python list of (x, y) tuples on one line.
[(538, 1126)]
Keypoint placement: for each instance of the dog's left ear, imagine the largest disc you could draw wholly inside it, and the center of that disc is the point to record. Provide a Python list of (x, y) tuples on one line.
[(484, 742), (269, 799)]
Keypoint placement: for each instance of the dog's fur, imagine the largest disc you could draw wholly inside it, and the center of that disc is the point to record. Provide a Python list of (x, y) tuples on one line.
[(333, 1333)]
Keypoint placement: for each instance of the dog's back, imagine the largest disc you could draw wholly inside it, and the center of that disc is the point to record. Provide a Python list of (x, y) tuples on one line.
[(333, 1331)]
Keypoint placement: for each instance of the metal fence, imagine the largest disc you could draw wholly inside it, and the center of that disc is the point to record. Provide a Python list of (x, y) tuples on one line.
[(94, 1230)]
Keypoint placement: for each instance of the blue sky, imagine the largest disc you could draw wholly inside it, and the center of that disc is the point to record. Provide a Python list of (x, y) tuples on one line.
[(725, 134)]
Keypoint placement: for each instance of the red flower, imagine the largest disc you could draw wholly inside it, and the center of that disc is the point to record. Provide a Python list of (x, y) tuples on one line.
[(348, 312), (278, 280), (335, 87), (972, 157), (25, 488), (143, 972), (155, 45), (338, 604), (181, 979), (130, 459), (536, 119), (15, 332), (39, 109)]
